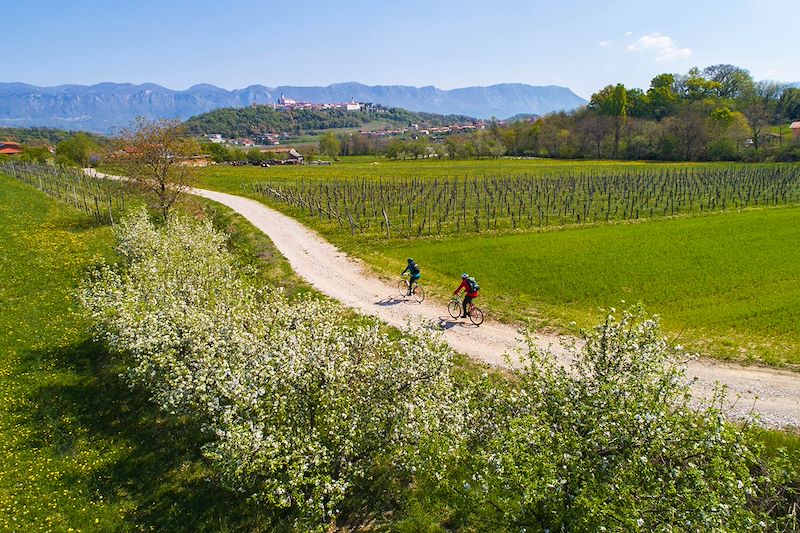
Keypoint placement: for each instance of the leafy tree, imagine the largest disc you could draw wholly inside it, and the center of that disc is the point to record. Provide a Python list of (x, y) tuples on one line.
[(329, 144), (395, 148), (39, 155), (731, 80), (77, 149), (155, 157), (789, 104), (662, 95), (693, 86), (255, 156)]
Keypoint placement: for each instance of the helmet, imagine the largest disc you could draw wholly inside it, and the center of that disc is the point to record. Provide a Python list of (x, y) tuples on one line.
[(410, 260), (464, 275)]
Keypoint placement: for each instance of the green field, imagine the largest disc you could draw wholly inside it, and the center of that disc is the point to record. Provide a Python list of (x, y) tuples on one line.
[(726, 283)]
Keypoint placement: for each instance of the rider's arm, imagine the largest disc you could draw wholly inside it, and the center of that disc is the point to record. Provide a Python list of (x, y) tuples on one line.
[(463, 283), (404, 271)]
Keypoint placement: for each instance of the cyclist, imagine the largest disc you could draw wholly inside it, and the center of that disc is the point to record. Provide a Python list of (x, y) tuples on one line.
[(413, 269), (470, 286)]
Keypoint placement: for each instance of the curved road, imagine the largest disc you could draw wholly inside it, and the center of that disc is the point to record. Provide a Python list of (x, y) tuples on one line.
[(773, 394)]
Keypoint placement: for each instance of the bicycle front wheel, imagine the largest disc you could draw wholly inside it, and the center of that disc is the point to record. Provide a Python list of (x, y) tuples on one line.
[(476, 316), (454, 308), (402, 288), (419, 294)]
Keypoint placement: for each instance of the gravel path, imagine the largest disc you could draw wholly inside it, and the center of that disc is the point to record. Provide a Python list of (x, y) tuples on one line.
[(773, 394)]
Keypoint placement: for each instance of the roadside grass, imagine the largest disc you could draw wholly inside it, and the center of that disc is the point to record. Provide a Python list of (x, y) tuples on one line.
[(726, 284), (79, 450)]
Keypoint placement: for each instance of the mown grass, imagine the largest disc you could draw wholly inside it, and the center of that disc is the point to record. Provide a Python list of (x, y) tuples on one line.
[(726, 284), (79, 450)]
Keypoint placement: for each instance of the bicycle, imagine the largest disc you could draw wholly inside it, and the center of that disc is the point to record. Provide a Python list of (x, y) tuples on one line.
[(474, 313), (416, 291)]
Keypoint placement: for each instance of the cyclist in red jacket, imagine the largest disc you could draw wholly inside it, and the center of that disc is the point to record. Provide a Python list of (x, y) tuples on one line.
[(470, 286)]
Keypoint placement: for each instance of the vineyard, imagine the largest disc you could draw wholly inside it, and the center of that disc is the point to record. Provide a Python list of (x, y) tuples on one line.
[(102, 199), (413, 207)]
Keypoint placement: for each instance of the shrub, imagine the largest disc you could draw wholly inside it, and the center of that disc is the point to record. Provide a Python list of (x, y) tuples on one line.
[(611, 442), (303, 403)]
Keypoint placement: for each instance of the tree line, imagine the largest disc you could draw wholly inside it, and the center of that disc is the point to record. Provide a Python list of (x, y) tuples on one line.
[(719, 113)]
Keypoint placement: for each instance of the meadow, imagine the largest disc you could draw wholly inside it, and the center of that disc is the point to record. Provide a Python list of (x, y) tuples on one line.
[(80, 450), (723, 278)]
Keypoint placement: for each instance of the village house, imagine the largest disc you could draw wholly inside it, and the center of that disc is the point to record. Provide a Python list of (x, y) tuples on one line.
[(10, 148), (795, 127)]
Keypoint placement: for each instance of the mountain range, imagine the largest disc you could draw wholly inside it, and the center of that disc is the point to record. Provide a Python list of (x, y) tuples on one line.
[(106, 107)]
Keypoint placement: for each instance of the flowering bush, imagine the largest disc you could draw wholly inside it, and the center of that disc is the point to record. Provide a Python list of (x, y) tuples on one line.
[(610, 443), (302, 402)]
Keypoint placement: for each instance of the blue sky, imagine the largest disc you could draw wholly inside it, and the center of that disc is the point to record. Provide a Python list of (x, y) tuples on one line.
[(579, 44)]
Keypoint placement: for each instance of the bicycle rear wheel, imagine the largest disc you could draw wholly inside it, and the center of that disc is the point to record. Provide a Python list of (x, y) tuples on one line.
[(419, 293), (454, 308), (402, 288), (476, 316)]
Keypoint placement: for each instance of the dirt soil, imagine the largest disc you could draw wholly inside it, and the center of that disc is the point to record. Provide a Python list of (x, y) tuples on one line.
[(771, 393)]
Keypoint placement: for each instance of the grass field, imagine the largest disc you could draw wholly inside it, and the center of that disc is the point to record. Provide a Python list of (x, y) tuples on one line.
[(78, 449), (726, 284)]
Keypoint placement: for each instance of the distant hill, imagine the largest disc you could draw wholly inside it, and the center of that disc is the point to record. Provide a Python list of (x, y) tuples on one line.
[(252, 120), (40, 136), (108, 106), (522, 116)]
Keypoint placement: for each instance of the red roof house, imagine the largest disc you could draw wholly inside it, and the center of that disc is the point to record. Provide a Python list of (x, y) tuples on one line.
[(10, 148)]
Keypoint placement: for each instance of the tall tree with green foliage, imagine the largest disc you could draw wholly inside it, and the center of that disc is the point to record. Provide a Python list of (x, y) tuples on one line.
[(76, 150), (329, 144), (612, 100)]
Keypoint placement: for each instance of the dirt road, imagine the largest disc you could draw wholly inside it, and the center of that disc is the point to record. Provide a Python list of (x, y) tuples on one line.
[(773, 394)]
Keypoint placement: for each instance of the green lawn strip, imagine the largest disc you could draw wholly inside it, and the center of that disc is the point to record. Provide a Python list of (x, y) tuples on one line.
[(78, 449)]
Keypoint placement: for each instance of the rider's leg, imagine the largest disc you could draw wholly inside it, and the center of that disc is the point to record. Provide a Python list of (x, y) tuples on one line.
[(467, 300), (411, 283)]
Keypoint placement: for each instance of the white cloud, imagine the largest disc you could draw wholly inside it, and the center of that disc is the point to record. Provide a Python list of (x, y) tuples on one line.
[(663, 46), (628, 33), (603, 43)]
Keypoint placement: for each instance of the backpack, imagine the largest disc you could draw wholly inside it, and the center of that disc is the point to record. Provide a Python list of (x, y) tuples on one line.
[(473, 285)]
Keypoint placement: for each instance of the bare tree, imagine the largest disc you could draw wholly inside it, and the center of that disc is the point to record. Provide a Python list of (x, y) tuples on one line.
[(156, 157), (759, 104)]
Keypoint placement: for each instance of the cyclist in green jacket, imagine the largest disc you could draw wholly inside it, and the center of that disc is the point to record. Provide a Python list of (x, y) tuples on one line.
[(413, 269)]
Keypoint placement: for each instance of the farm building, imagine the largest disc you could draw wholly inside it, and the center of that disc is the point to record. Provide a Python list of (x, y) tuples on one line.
[(293, 157), (10, 148), (795, 127)]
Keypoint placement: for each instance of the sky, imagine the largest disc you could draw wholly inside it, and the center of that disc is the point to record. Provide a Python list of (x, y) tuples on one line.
[(580, 44)]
